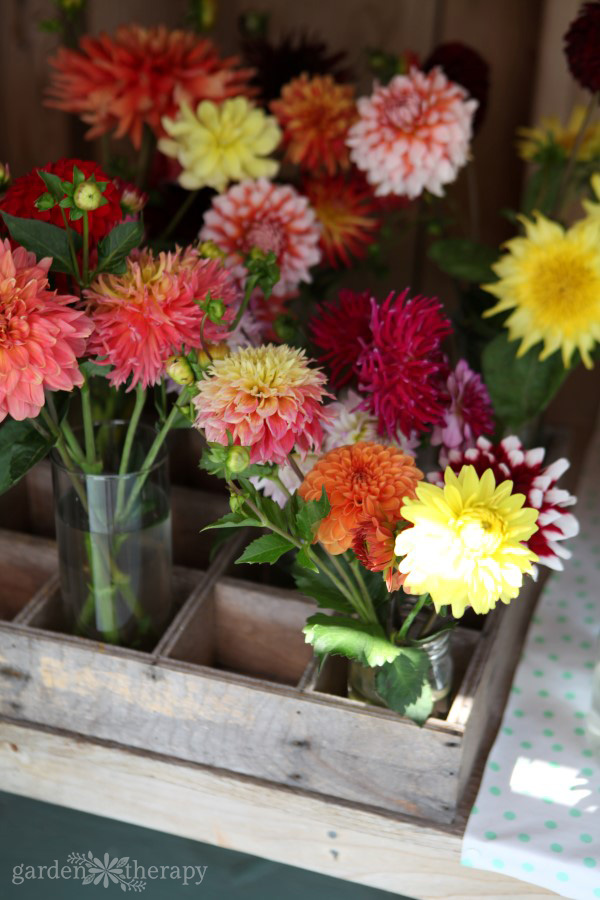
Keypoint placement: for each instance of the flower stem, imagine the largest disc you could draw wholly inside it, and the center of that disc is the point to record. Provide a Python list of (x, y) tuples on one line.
[(185, 206), (76, 271), (145, 157), (243, 306), (579, 137), (88, 423), (355, 566), (140, 399), (296, 468), (73, 444), (86, 248), (412, 616)]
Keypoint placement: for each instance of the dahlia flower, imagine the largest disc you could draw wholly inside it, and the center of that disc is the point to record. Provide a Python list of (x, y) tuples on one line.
[(373, 543), (551, 131), (21, 196), (41, 335), (413, 134), (347, 212), (467, 544), (315, 115), (267, 398), (349, 424), (464, 66), (510, 460), (338, 329), (150, 312), (401, 367), (592, 207), (362, 480), (216, 144), (470, 412), (581, 47), (139, 75), (550, 280), (271, 217)]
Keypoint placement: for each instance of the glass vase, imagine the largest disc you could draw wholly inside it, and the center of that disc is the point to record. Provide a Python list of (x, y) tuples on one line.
[(114, 542)]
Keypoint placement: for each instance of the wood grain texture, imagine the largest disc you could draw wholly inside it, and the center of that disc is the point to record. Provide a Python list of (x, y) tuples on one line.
[(25, 564), (402, 856)]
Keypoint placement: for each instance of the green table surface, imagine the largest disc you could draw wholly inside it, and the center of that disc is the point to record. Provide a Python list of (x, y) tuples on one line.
[(34, 834)]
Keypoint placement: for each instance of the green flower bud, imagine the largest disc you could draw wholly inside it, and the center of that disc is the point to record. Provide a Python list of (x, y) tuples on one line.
[(209, 250), (179, 369), (238, 460), (215, 310), (236, 502), (45, 201), (5, 177), (88, 196)]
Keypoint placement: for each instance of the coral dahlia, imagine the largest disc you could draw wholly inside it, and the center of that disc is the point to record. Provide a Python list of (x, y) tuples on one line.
[(581, 47), (274, 218), (525, 468), (362, 481), (347, 211), (413, 134), (150, 312), (133, 78), (267, 398), (470, 412), (315, 114), (337, 330), (41, 335)]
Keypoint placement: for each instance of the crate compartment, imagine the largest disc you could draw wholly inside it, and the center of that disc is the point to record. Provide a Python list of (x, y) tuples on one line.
[(26, 565)]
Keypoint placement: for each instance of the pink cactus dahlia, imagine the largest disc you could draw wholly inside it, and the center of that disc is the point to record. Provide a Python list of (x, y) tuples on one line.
[(271, 217), (470, 412), (150, 312), (413, 134), (267, 398), (41, 335), (510, 460)]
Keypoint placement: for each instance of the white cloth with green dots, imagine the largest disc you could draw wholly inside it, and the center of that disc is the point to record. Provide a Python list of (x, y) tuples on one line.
[(537, 814)]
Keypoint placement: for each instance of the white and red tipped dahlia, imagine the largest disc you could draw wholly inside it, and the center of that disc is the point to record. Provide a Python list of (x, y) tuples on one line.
[(413, 134), (41, 335), (510, 460), (470, 413), (271, 217), (145, 315)]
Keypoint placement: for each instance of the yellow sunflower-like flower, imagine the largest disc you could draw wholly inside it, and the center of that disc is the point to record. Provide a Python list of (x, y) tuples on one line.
[(551, 130), (592, 207), (466, 544), (550, 278), (220, 143)]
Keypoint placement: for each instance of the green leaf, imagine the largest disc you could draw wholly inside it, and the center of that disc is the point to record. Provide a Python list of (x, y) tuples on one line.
[(21, 447), (520, 388), (53, 183), (464, 259), (310, 515), (304, 561), (113, 249), (43, 239), (266, 549), (234, 520), (91, 369), (404, 685), (319, 587), (341, 636)]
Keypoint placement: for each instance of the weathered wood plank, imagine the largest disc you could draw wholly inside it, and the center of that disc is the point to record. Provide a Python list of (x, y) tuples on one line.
[(25, 564)]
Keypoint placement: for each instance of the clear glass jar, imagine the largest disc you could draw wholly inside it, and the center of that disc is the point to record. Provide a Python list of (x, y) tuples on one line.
[(114, 542)]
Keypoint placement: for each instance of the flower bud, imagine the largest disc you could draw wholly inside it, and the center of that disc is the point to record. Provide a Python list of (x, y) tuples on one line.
[(236, 502), (238, 459), (5, 177), (133, 201), (45, 201), (88, 196), (217, 351), (215, 310), (284, 328), (209, 250), (179, 369)]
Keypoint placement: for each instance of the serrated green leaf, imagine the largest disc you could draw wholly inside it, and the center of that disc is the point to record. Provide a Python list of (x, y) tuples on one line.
[(266, 549), (310, 514), (341, 636), (304, 561), (520, 388), (21, 447), (113, 249), (320, 588), (44, 240), (464, 259), (403, 684), (53, 183), (234, 520)]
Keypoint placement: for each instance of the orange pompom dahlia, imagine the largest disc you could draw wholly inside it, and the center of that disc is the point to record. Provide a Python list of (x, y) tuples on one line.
[(362, 481)]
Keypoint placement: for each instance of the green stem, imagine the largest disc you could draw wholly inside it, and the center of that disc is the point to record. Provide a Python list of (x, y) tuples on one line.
[(185, 206), (280, 484), (140, 399), (355, 566), (579, 137), (73, 444), (86, 248), (88, 423), (351, 590), (76, 271), (64, 455), (145, 157), (247, 294), (412, 616), (259, 515)]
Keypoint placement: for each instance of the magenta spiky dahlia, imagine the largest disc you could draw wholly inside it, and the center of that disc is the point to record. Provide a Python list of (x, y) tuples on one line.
[(413, 134), (271, 217), (510, 460)]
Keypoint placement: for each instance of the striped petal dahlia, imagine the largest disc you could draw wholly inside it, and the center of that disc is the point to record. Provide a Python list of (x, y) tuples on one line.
[(267, 398), (150, 312), (509, 460), (41, 335), (274, 218), (413, 134)]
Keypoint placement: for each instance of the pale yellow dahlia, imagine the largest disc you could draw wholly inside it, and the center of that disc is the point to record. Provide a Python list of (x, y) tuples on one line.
[(466, 544), (550, 279), (216, 144), (551, 130)]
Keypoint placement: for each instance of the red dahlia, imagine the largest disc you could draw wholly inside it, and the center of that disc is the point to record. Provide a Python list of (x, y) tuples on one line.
[(338, 331), (582, 47)]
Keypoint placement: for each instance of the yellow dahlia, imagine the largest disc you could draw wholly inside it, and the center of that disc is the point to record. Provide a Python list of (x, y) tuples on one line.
[(550, 279), (592, 207), (551, 130), (466, 544), (217, 144)]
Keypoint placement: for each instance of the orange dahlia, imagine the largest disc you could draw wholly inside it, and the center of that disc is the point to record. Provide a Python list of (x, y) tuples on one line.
[(346, 209), (373, 544), (138, 75), (315, 115), (362, 481)]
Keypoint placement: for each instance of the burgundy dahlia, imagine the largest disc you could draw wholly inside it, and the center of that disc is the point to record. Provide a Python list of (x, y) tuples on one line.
[(582, 47), (338, 330)]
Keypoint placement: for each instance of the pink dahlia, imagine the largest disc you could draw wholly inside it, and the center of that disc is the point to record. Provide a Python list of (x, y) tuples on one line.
[(150, 312), (337, 330), (470, 412), (41, 335), (267, 398), (413, 134), (271, 217), (510, 460), (401, 367)]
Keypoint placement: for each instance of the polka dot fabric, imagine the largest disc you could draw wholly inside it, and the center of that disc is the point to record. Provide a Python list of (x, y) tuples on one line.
[(537, 814)]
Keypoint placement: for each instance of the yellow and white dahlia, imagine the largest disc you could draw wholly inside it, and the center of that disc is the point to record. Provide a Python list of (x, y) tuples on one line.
[(466, 546), (216, 144)]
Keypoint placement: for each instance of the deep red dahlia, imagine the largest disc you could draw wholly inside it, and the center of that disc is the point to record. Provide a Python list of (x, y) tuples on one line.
[(20, 198), (582, 47), (466, 67), (338, 331), (401, 366), (510, 460)]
